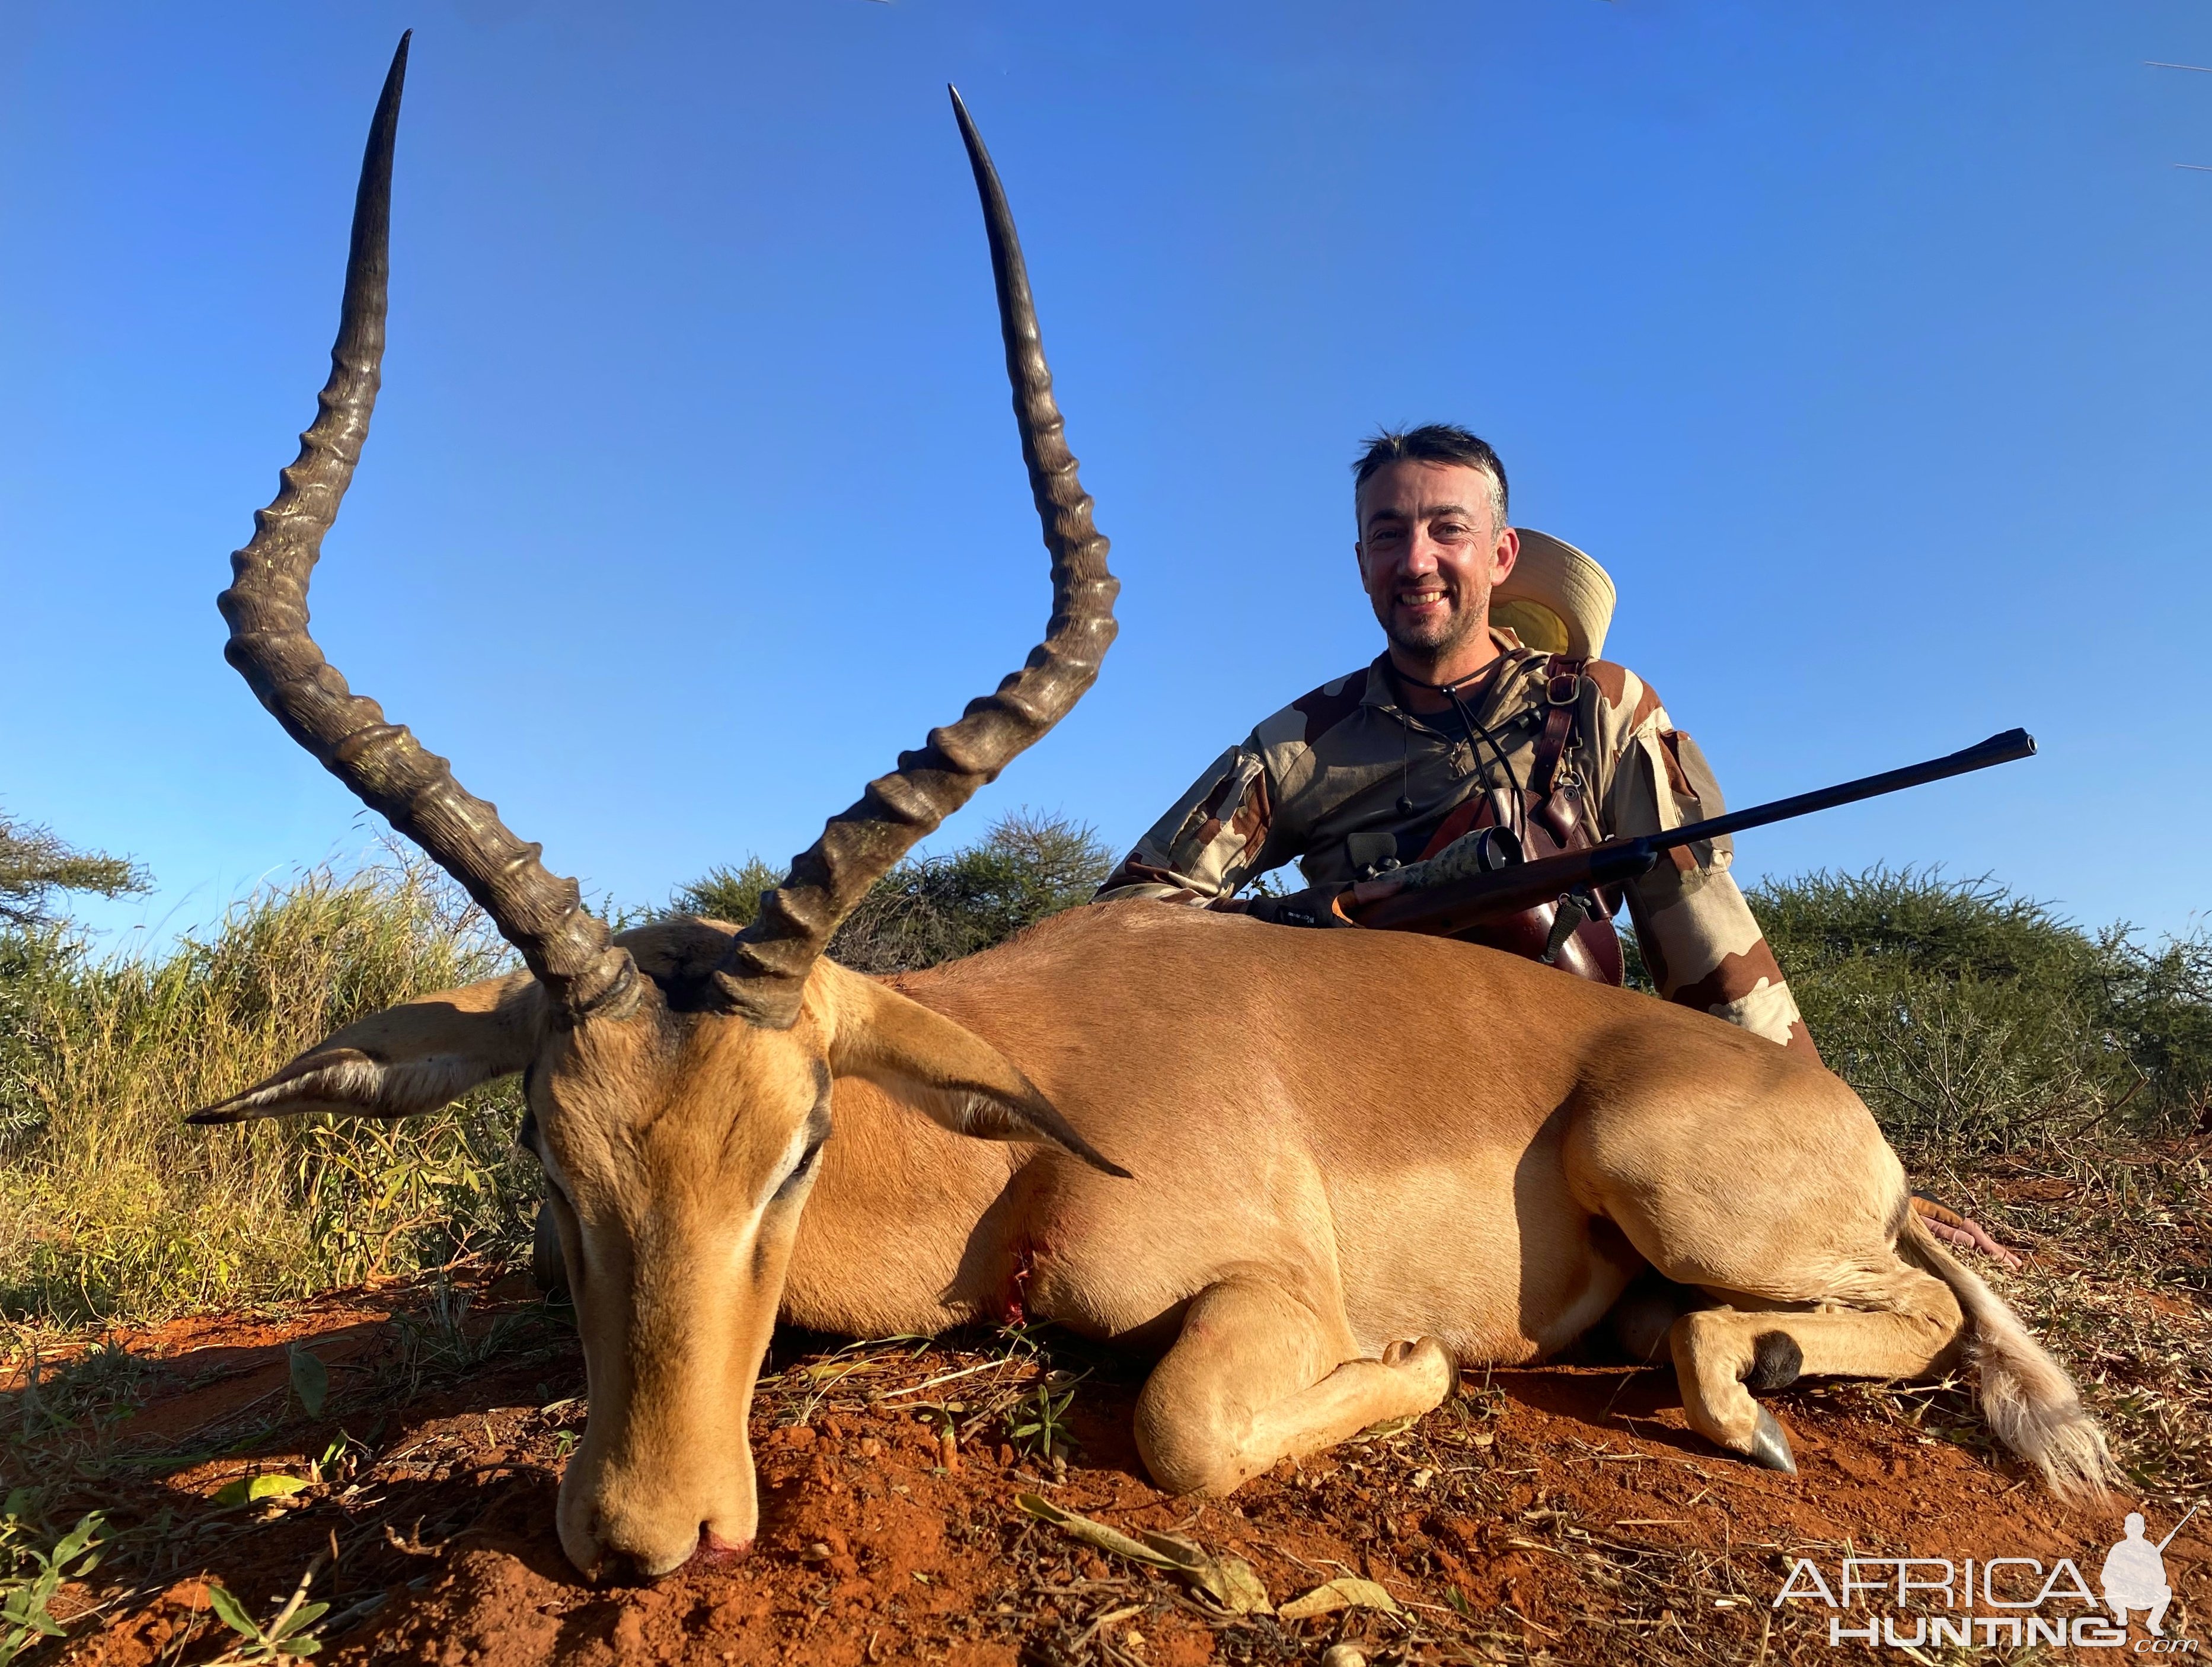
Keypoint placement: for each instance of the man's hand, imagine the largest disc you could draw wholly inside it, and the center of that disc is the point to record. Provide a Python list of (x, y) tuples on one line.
[(1307, 907), (1963, 1231)]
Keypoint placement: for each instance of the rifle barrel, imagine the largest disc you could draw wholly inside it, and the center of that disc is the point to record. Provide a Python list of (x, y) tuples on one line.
[(1457, 905), (1998, 749)]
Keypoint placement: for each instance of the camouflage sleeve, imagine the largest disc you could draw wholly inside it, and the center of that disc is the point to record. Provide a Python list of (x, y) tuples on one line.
[(1702, 946), (1211, 842)]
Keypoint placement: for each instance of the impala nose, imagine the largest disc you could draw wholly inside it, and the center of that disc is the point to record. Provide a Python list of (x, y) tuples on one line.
[(631, 1568), (715, 1552)]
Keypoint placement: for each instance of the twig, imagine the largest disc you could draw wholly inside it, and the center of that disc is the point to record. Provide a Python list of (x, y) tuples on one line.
[(931, 1382)]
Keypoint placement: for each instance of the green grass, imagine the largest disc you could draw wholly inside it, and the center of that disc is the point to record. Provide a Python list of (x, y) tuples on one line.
[(113, 1208)]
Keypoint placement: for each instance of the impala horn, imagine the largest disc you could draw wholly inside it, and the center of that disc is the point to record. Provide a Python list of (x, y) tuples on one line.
[(567, 948), (764, 974)]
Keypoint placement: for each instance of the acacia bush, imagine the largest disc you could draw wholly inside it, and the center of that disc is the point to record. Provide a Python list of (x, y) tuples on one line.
[(35, 864), (1026, 867), (1971, 1019)]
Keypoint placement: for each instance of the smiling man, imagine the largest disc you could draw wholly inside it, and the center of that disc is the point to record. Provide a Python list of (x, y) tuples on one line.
[(1459, 725)]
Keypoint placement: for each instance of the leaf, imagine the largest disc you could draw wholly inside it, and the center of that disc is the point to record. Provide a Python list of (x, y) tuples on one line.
[(77, 1538), (1384, 1431), (1229, 1581), (311, 1381), (302, 1646), (305, 1614), (232, 1612), (1343, 1593), (1093, 1533), (242, 1490)]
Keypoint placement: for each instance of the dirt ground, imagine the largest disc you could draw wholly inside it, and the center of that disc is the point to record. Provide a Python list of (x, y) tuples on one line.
[(1561, 1514)]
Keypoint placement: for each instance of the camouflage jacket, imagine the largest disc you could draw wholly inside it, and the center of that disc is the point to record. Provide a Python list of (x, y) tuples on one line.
[(1340, 761)]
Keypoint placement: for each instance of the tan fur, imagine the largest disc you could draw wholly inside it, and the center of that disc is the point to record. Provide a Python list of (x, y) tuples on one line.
[(1357, 1162)]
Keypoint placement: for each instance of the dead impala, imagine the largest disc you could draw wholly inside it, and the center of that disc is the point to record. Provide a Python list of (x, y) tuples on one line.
[(1318, 1224)]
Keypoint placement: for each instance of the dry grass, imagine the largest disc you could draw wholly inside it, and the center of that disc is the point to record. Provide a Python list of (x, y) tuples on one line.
[(2119, 1281), (112, 1208)]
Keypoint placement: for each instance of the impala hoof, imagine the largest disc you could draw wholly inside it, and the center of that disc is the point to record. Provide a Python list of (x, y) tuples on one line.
[(1770, 1447)]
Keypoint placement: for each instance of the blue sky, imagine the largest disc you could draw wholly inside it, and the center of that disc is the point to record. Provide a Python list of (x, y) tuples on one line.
[(1865, 343)]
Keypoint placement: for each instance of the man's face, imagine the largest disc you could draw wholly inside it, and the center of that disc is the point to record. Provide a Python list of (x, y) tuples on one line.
[(1429, 555)]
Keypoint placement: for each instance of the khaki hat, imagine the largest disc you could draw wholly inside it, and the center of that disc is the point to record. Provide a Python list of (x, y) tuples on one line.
[(1556, 599)]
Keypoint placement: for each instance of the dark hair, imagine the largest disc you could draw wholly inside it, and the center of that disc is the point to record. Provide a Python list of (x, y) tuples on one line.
[(1435, 442)]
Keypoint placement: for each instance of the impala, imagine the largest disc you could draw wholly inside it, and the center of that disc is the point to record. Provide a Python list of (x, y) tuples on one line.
[(1315, 1173)]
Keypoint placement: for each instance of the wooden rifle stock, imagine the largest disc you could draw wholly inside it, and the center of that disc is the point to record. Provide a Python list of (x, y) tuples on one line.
[(1390, 903)]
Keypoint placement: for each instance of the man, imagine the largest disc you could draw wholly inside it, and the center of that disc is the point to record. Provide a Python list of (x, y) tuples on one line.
[(1452, 707), (1458, 723)]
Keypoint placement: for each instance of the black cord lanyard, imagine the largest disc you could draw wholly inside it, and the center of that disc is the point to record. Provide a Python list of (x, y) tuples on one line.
[(1474, 728)]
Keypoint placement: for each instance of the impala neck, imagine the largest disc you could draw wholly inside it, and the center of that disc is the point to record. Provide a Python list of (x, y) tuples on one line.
[(900, 1234)]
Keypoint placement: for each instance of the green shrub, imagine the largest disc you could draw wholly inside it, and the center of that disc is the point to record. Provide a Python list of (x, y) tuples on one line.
[(112, 1207), (1027, 866), (34, 865), (1971, 1019)]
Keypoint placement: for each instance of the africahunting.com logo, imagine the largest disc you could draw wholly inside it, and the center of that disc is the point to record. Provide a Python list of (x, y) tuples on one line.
[(2011, 1601)]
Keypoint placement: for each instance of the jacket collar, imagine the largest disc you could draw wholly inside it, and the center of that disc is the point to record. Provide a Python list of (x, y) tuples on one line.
[(1521, 664)]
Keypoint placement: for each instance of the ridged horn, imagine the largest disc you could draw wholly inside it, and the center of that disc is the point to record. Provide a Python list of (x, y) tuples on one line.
[(267, 605), (764, 973)]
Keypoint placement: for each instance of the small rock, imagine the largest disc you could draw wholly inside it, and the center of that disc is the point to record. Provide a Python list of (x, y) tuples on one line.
[(1342, 1655)]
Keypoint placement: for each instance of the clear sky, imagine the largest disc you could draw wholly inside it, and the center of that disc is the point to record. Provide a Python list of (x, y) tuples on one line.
[(1865, 342)]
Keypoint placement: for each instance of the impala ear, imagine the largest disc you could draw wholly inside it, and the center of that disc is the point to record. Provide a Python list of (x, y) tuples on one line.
[(942, 1068), (414, 1057)]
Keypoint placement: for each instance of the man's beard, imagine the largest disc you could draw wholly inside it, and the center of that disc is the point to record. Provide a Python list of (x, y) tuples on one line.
[(1436, 643)]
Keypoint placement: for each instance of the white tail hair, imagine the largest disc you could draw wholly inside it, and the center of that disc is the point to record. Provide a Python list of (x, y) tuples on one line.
[(2027, 1397)]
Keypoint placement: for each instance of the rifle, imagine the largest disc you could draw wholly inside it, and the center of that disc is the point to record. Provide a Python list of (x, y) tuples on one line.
[(1442, 897)]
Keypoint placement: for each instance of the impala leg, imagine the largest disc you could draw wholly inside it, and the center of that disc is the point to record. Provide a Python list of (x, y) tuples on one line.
[(1724, 1354), (1256, 1377), (1643, 1316)]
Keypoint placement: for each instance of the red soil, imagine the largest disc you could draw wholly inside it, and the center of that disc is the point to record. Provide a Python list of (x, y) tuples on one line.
[(1564, 1511)]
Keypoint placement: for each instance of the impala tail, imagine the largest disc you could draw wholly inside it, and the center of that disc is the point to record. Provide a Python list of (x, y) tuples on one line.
[(2027, 1397)]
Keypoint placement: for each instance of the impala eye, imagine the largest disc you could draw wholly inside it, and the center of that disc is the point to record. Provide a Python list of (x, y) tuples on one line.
[(817, 1132), (799, 1171)]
